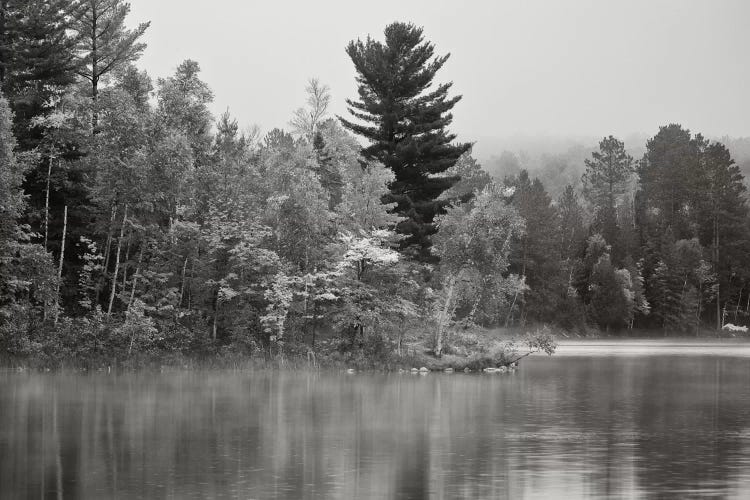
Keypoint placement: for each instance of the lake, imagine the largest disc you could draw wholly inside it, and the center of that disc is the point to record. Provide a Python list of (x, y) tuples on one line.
[(617, 419)]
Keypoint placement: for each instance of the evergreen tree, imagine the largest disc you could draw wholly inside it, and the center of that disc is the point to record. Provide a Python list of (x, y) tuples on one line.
[(674, 284), (36, 58), (533, 257), (604, 184), (638, 305), (722, 217), (607, 174), (572, 228), (667, 175), (570, 246), (104, 43), (609, 306), (405, 120), (596, 247), (328, 174)]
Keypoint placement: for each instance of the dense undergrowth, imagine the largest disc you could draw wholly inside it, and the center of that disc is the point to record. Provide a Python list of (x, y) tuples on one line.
[(94, 343)]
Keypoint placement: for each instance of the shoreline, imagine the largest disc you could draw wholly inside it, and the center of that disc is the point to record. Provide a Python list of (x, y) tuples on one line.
[(583, 347)]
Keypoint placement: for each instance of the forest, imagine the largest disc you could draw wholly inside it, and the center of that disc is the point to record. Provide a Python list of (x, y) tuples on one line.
[(136, 226)]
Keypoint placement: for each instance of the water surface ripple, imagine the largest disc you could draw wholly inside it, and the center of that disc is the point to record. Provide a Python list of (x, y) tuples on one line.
[(601, 420)]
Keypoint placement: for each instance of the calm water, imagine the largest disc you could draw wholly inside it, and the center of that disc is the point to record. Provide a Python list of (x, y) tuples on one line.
[(609, 424)]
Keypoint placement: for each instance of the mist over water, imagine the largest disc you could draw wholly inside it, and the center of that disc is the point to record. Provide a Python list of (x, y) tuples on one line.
[(612, 424)]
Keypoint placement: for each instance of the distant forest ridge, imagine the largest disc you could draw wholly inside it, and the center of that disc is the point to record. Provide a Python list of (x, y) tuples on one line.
[(558, 160)]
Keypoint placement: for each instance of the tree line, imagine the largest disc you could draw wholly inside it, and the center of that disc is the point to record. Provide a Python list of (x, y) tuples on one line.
[(133, 223)]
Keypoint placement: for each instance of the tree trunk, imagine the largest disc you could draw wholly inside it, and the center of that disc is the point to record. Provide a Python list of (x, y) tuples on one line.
[(117, 262), (305, 306), (216, 316), (192, 277), (718, 277), (125, 262), (182, 286), (475, 305), (94, 70), (700, 309), (60, 266), (314, 323), (46, 204), (107, 245), (135, 278), (739, 299), (509, 317), (443, 319), (46, 215)]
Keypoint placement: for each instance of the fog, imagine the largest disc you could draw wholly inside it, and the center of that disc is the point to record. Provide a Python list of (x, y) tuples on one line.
[(574, 69)]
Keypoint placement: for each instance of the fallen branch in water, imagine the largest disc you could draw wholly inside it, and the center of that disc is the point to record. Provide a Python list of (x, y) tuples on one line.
[(539, 341)]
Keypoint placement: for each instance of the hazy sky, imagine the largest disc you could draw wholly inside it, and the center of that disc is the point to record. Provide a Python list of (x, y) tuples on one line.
[(561, 68)]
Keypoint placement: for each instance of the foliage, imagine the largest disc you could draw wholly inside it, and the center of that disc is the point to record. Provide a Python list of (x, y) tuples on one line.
[(27, 279), (530, 256), (472, 179), (187, 237), (473, 243), (306, 121), (103, 42), (405, 122), (605, 184)]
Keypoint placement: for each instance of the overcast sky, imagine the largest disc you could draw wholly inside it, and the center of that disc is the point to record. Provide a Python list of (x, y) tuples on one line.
[(560, 68)]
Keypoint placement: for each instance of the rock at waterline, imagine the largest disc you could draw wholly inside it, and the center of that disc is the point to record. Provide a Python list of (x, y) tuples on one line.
[(351, 370), (424, 370), (448, 370), (414, 370)]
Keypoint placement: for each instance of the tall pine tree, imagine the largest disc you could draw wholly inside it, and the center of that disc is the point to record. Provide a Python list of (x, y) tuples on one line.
[(534, 256), (604, 184), (722, 217), (405, 120), (668, 173), (104, 43)]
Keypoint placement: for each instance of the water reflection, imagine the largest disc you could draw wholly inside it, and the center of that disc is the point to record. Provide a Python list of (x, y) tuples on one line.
[(566, 427)]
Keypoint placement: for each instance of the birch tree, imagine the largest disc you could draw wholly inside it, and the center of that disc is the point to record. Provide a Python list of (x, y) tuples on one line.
[(473, 241)]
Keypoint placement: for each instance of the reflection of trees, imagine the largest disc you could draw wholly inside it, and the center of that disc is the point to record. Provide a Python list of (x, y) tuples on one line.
[(598, 427), (692, 423)]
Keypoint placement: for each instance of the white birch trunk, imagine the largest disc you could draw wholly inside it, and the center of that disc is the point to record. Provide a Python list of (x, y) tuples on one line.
[(60, 266), (117, 263)]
